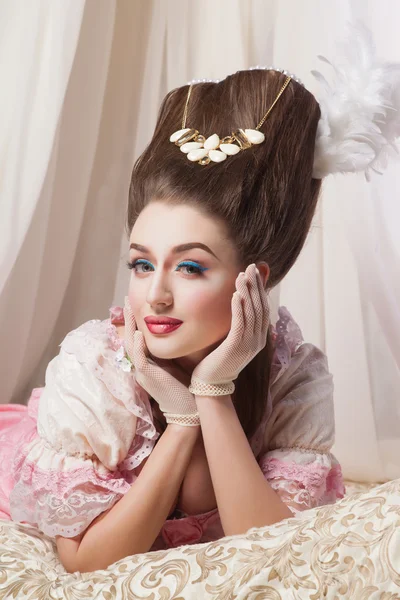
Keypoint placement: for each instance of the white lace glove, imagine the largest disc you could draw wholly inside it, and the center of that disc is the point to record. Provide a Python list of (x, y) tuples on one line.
[(172, 396), (215, 374)]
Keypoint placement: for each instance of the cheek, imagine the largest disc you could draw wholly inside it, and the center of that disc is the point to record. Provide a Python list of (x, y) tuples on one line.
[(211, 307)]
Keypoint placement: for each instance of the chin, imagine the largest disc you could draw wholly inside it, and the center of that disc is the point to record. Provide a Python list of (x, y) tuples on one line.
[(171, 349), (167, 352), (165, 355)]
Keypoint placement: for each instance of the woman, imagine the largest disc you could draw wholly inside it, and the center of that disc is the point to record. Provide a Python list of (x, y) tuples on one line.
[(148, 435)]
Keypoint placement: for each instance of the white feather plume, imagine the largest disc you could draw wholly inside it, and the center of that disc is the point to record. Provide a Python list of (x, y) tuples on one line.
[(360, 110)]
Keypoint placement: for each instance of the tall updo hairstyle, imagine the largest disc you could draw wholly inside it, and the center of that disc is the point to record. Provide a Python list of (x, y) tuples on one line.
[(265, 196)]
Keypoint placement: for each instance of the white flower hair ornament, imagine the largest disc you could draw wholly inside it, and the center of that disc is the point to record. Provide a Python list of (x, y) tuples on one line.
[(360, 114), (202, 150)]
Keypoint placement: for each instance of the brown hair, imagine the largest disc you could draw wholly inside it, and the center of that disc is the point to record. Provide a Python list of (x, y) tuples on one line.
[(265, 195)]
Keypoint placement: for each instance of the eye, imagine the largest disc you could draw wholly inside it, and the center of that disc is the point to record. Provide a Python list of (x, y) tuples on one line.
[(196, 269), (132, 265)]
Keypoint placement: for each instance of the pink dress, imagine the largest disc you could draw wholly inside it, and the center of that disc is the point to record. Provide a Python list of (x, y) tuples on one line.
[(75, 449)]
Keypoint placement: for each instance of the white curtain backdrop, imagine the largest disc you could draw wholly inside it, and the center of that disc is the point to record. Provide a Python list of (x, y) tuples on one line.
[(82, 82)]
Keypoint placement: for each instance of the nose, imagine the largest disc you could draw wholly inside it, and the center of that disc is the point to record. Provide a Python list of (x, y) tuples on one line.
[(159, 292)]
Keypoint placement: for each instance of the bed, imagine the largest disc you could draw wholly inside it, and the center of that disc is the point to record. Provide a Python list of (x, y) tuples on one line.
[(347, 550)]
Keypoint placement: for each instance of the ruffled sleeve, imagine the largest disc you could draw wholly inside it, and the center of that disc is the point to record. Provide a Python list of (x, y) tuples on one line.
[(94, 428), (297, 459)]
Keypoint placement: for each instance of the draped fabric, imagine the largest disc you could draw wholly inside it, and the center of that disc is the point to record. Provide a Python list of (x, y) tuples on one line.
[(83, 83)]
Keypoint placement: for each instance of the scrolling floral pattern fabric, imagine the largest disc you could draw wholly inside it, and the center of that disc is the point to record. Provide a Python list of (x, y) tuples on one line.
[(346, 550)]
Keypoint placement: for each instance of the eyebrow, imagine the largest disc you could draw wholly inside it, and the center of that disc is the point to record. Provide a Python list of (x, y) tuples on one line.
[(177, 249)]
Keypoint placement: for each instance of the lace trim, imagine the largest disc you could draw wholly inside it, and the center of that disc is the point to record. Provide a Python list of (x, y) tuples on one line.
[(199, 388), (295, 498), (288, 339), (299, 499), (305, 449), (305, 485), (62, 502), (91, 344), (188, 420), (115, 341)]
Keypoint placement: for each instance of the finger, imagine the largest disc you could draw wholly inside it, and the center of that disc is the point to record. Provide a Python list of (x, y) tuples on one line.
[(139, 351), (237, 329), (264, 304), (127, 304), (248, 307), (264, 295), (128, 314), (255, 287), (130, 327)]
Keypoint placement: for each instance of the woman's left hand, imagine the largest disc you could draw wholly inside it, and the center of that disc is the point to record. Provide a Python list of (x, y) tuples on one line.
[(247, 336)]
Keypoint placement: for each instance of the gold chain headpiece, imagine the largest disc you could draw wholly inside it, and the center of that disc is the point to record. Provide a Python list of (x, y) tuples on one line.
[(202, 150)]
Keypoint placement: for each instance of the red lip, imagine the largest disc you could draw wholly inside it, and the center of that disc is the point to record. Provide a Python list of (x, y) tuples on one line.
[(162, 321), (162, 328)]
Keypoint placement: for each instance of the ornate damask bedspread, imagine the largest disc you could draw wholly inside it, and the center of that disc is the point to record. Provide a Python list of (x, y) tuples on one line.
[(347, 550)]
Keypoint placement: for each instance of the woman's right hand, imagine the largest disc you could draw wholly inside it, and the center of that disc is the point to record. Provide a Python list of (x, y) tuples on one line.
[(173, 397)]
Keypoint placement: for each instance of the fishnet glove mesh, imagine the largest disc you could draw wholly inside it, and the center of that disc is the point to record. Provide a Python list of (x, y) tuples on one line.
[(172, 396), (214, 376), (130, 328)]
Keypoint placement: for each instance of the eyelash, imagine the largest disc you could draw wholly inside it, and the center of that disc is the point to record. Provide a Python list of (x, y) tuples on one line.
[(199, 270)]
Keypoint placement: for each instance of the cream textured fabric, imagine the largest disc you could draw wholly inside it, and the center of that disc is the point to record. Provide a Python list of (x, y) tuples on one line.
[(247, 336), (347, 551), (173, 397)]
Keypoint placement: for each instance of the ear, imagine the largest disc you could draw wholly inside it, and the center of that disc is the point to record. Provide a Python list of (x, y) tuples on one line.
[(264, 272)]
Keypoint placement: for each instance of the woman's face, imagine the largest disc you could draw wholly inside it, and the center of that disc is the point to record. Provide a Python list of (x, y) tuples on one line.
[(194, 284)]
